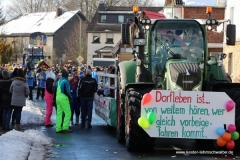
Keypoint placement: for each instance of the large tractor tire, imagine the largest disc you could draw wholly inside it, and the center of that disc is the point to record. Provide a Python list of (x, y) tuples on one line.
[(120, 113), (136, 138)]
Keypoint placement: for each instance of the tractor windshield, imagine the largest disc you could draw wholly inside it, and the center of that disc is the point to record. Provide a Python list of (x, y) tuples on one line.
[(175, 39)]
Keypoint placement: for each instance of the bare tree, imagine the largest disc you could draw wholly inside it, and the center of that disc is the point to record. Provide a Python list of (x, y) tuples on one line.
[(72, 44), (20, 7), (89, 7), (6, 51)]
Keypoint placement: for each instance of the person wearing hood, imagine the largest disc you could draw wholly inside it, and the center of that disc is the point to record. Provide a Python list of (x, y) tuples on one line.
[(5, 100), (49, 98), (13, 74), (20, 91), (63, 100)]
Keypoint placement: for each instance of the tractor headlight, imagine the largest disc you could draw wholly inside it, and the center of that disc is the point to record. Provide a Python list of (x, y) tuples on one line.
[(197, 88), (176, 87), (147, 27)]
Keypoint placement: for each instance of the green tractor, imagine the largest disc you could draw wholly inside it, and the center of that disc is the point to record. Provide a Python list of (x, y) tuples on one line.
[(172, 55)]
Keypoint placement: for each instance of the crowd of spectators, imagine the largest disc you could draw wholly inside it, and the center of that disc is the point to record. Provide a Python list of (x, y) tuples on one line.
[(77, 84)]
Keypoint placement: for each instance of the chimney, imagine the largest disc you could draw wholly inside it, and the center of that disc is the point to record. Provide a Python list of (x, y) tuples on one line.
[(102, 5), (176, 2), (179, 2), (168, 2), (59, 12)]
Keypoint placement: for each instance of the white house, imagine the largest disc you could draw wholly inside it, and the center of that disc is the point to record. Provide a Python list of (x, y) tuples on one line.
[(231, 63), (104, 30)]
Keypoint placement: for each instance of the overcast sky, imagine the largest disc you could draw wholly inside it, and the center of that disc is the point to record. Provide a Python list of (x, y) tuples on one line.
[(192, 2), (161, 2)]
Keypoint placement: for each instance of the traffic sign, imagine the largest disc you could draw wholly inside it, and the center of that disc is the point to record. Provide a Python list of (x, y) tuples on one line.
[(80, 59)]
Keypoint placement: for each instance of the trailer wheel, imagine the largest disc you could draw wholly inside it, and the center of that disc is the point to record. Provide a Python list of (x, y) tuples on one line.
[(136, 138), (120, 113)]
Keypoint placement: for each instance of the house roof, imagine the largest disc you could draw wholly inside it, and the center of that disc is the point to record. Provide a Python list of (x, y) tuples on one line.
[(94, 26), (106, 49), (153, 15), (45, 22)]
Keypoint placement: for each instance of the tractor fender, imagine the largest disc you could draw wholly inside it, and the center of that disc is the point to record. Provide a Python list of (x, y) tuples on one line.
[(127, 71)]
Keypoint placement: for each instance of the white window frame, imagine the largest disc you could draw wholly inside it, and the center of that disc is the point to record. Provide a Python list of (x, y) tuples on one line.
[(95, 35), (119, 18), (230, 63), (103, 18), (109, 38)]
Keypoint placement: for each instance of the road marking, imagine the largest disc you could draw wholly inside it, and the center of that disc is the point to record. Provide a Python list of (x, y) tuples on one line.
[(171, 148)]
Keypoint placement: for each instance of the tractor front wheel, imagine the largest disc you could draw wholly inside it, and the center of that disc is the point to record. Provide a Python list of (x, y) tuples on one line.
[(136, 138), (120, 113)]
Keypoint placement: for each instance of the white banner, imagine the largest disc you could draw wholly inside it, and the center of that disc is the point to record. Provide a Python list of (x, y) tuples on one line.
[(187, 114)]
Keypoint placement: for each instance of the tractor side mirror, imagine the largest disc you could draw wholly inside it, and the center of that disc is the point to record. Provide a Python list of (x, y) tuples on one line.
[(222, 56), (231, 34)]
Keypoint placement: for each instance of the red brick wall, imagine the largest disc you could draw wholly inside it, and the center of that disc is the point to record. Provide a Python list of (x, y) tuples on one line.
[(200, 13), (215, 50)]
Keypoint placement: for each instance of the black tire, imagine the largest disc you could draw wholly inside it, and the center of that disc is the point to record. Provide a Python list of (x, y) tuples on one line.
[(136, 138), (120, 114)]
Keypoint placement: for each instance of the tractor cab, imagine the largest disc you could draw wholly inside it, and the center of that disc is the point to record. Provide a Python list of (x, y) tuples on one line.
[(177, 48)]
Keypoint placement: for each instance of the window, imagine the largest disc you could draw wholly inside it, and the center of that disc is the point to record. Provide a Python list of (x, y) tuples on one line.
[(103, 18), (120, 19), (231, 14), (107, 57), (96, 38), (109, 37), (215, 54), (230, 64)]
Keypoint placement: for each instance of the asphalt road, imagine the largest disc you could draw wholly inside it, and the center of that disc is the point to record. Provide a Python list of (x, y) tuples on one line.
[(100, 143)]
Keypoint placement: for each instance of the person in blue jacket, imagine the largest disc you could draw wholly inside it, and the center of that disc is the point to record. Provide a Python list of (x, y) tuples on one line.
[(94, 74), (75, 105), (41, 82), (82, 73), (30, 76)]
